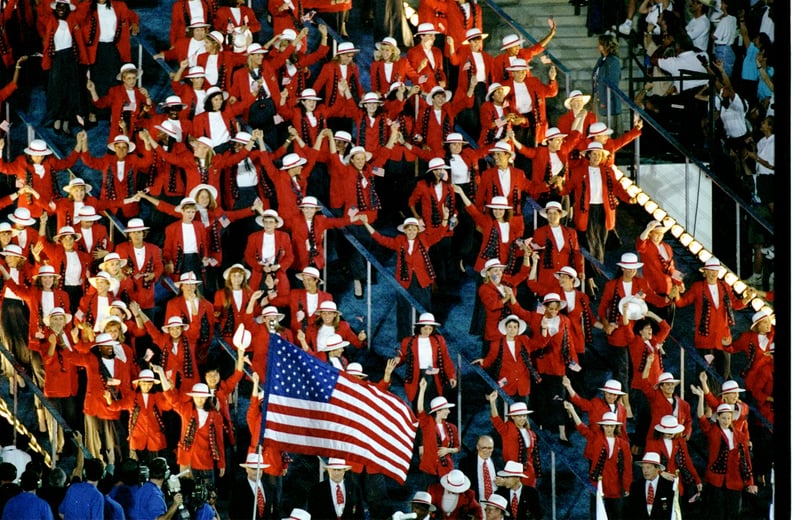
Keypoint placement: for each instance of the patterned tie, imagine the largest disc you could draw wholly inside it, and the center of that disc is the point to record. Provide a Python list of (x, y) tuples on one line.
[(487, 481), (259, 503), (339, 495), (650, 495), (514, 504)]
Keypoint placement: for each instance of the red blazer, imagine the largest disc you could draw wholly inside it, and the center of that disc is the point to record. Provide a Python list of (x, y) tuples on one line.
[(181, 17), (31, 237), (278, 464), (501, 61), (359, 190), (425, 197), (222, 67), (490, 186), (173, 249), (596, 406), (166, 178), (748, 342), (283, 255), (88, 309), (578, 186), (551, 259), (55, 255), (515, 449), (516, 369), (179, 50), (759, 381), (725, 467), (194, 176), (566, 119), (711, 324), (656, 270), (116, 99), (227, 315), (114, 190), (458, 23), (615, 469), (639, 351), (581, 319), (60, 373), (260, 345), (101, 239), (495, 310), (381, 80), (326, 84), (552, 353), (678, 459), (6, 54), (430, 462), (240, 85), (739, 417), (608, 310), (46, 185), (615, 144), (200, 447), (494, 127), (416, 263), (262, 162), (433, 132), (32, 296), (289, 194), (467, 507), (428, 76), (441, 358), (181, 367), (125, 19), (144, 290), (224, 19), (297, 301), (50, 26), (463, 58), (222, 395), (95, 404), (660, 406), (202, 325), (493, 245), (296, 80), (65, 209), (146, 427), (538, 92), (540, 162), (309, 247)]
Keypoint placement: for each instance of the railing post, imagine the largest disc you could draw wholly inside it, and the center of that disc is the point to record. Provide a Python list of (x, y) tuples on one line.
[(687, 188), (636, 151), (15, 386), (553, 482), (140, 65), (681, 371), (738, 248), (459, 393), (607, 104)]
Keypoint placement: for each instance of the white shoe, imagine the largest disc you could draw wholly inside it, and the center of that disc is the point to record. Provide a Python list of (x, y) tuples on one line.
[(771, 282), (754, 280), (626, 27)]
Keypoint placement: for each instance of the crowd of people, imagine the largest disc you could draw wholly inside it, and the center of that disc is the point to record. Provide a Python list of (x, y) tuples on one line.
[(209, 220)]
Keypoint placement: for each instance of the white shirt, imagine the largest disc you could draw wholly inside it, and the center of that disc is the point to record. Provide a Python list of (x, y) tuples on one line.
[(218, 131), (460, 171), (131, 100), (200, 96), (73, 274), (733, 116), (611, 441), (410, 246), (313, 302), (699, 29), (211, 70), (596, 195), (190, 240), (570, 298), (504, 178), (203, 415), (425, 358), (246, 174), (713, 289), (765, 149), (449, 502), (8, 293), (688, 61), (237, 294), (729, 437), (627, 288), (62, 38), (268, 248), (510, 346), (47, 302), (558, 236), (504, 231), (555, 163), (195, 48), (110, 365), (481, 70), (102, 310), (140, 256), (87, 235), (726, 31), (480, 468), (107, 23), (522, 98)]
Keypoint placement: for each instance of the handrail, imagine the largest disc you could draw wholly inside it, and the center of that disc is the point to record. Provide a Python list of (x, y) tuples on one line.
[(681, 148)]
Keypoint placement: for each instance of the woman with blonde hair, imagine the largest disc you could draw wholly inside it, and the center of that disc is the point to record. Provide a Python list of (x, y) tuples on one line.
[(389, 67)]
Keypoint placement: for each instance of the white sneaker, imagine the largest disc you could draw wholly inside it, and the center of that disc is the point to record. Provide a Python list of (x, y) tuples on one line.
[(754, 280), (626, 27)]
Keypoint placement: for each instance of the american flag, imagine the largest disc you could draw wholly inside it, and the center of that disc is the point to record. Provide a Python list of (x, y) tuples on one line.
[(315, 409)]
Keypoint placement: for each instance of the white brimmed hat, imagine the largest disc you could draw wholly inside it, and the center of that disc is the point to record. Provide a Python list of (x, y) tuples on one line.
[(723, 408), (518, 408), (135, 224), (439, 403), (512, 469), (104, 275), (438, 90), (38, 147), (195, 72), (569, 271), (346, 48), (552, 205), (495, 86), (271, 312), (552, 133), (173, 102), (217, 37), (497, 501), (66, 231), (298, 514), (426, 28), (760, 315), (410, 221), (76, 182), (86, 214), (328, 306), (609, 419), (200, 390), (197, 21), (502, 147), (670, 425), (46, 270), (599, 128), (292, 160), (651, 457), (56, 311), (489, 264), (455, 137), (474, 33), (186, 201), (455, 481), (309, 202), (337, 463), (22, 217), (575, 94), (517, 65), (245, 271), (731, 387), (113, 319), (422, 497), (594, 146), (499, 202), (309, 93), (121, 139), (109, 257), (311, 271), (510, 40), (197, 189), (713, 264), (175, 321), (666, 377), (612, 386), (629, 261), (145, 376), (633, 307), (511, 317), (121, 305), (360, 149), (427, 318), (188, 278), (355, 369), (270, 213), (13, 250), (128, 67), (334, 342), (554, 297), (254, 461)]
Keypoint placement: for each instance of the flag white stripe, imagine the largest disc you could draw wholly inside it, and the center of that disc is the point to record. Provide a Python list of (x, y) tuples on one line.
[(345, 424), (329, 444), (397, 409)]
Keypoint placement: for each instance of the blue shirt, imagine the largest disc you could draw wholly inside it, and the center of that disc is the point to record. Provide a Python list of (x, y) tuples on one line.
[(749, 70), (125, 495), (27, 505), (149, 502), (113, 510), (763, 89), (82, 502)]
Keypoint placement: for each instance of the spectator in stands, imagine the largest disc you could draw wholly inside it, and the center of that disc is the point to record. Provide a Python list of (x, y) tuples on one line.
[(607, 72), (698, 28)]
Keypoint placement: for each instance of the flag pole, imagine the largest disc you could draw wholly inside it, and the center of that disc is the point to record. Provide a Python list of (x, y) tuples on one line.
[(258, 481)]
